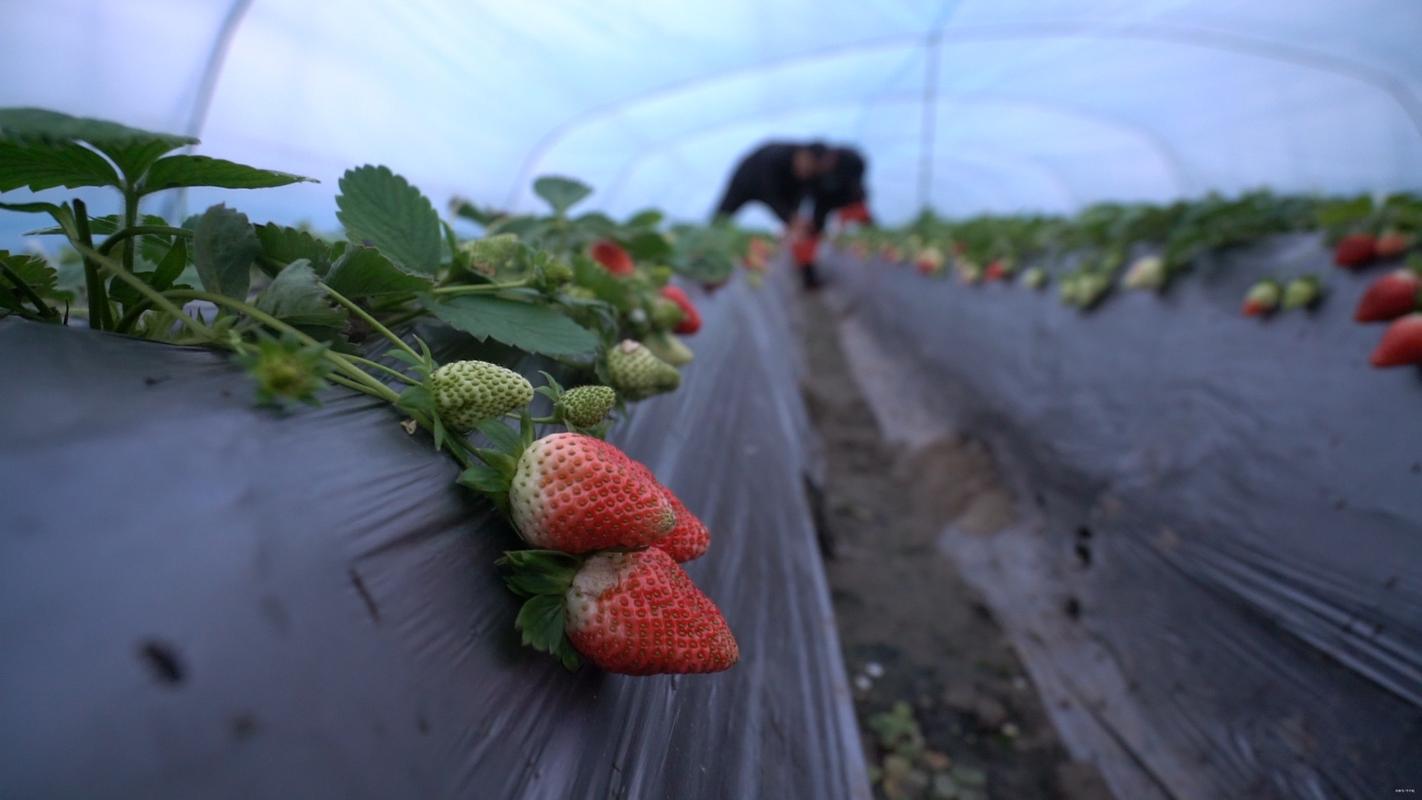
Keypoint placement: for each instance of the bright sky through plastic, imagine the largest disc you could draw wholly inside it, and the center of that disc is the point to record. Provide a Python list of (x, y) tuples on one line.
[(1031, 104)]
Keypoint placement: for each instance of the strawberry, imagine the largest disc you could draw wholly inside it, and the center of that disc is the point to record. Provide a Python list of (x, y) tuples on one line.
[(632, 613), (577, 494), (469, 392), (638, 374), (803, 249), (1034, 278), (690, 319), (612, 257), (1401, 343), (1262, 298), (1302, 292), (689, 539), (1393, 244), (586, 406), (968, 271), (929, 261), (1147, 272), (668, 348), (994, 271), (1355, 250), (758, 254), (1390, 296)]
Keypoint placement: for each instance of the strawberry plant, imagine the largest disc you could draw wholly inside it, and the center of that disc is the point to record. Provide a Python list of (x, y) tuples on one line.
[(295, 309)]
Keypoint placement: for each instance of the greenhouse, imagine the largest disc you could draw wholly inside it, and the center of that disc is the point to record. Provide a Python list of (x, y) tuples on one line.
[(955, 400)]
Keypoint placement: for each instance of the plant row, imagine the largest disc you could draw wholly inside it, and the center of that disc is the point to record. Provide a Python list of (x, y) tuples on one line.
[(301, 311), (1147, 247)]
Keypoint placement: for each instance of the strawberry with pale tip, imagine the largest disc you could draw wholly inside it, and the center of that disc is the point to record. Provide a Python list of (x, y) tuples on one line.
[(690, 321), (577, 494), (1262, 298), (1390, 296), (1401, 344)]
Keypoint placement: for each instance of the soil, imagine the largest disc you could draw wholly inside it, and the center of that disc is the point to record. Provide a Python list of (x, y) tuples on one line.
[(969, 723)]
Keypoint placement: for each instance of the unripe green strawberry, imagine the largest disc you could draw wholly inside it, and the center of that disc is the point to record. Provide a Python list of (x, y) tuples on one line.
[(638, 374), (556, 273), (577, 494), (669, 348), (586, 406), (492, 255), (665, 314), (469, 392)]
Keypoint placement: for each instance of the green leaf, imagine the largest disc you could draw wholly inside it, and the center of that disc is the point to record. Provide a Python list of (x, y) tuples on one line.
[(530, 327), (561, 193), (649, 218), (366, 272), (224, 248), (482, 216), (502, 436), (484, 479), (31, 270), (649, 246), (43, 124), (176, 171), (132, 149), (295, 298), (382, 209), (541, 623), (171, 266), (285, 245), (417, 400), (42, 165)]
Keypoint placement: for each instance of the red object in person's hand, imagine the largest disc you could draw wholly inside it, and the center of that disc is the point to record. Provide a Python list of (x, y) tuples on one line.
[(803, 250), (855, 212)]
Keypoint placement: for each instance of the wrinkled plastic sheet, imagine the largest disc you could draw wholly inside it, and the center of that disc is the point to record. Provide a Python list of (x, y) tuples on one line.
[(1216, 579), (203, 599)]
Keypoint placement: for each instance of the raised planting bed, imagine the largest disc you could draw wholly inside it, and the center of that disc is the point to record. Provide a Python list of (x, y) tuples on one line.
[(202, 598), (1212, 576)]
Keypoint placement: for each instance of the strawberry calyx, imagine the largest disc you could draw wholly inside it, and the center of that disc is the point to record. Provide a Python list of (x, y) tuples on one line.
[(544, 578)]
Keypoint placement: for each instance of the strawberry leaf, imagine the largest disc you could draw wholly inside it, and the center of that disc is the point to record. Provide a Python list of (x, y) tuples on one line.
[(541, 622), (560, 193), (224, 248), (483, 478), (182, 170), (366, 272), (527, 326), (295, 298), (285, 245), (39, 166), (382, 209)]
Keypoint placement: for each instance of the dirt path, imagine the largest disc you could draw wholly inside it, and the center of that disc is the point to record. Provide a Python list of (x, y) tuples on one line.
[(944, 705)]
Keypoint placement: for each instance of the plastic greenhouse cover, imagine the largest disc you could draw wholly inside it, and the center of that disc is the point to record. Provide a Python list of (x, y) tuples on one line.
[(203, 599), (1215, 582), (968, 105)]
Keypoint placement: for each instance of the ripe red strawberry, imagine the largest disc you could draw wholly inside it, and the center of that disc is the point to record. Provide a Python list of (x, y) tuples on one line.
[(577, 494), (636, 613), (1390, 296), (1355, 250), (690, 318), (640, 614), (687, 541), (1401, 343), (994, 271), (1262, 298), (1393, 244), (803, 249), (612, 257)]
